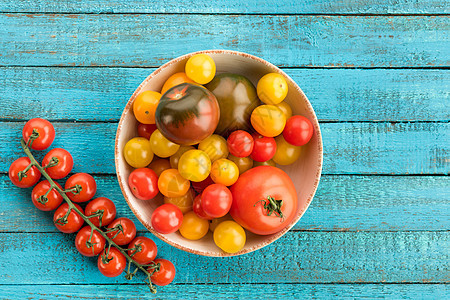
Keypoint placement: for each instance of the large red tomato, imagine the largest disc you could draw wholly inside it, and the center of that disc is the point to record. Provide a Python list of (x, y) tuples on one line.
[(264, 200), (187, 114)]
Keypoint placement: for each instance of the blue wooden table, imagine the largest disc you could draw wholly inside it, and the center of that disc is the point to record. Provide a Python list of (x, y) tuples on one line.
[(376, 73)]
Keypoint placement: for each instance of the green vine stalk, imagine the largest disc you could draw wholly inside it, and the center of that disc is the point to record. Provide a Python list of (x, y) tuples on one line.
[(129, 275)]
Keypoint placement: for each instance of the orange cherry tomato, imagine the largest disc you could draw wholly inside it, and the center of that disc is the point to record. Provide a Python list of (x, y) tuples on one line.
[(175, 79), (144, 106)]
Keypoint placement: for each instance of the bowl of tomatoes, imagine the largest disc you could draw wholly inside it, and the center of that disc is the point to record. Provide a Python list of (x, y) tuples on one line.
[(218, 153)]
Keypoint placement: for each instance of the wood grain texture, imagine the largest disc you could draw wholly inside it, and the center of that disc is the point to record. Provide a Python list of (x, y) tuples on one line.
[(231, 6), (336, 94), (227, 291), (349, 148), (297, 257), (342, 203), (294, 41)]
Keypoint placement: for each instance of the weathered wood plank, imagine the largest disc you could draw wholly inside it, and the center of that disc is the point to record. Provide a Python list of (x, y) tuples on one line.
[(227, 291), (231, 6), (342, 203), (336, 94), (349, 148), (289, 40), (297, 257)]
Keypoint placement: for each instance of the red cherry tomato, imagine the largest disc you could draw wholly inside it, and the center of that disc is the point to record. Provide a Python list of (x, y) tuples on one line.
[(198, 209), (264, 200), (146, 251), (87, 245), (143, 183), (87, 184), (240, 143), (103, 205), (45, 131), (200, 186), (46, 202), (146, 130), (165, 274), (298, 130), (113, 265), (32, 175), (124, 233), (167, 218), (216, 200), (64, 163), (264, 148), (73, 222)]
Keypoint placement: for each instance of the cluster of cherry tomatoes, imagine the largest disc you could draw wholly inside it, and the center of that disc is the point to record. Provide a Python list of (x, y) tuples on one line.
[(80, 188), (195, 176)]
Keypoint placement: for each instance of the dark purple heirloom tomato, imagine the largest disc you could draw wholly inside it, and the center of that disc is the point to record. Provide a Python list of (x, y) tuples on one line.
[(187, 114)]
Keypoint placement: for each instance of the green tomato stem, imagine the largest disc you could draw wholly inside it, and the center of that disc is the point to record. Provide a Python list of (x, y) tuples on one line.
[(72, 206)]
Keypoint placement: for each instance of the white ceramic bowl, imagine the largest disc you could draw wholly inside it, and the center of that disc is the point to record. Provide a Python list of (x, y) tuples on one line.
[(305, 173)]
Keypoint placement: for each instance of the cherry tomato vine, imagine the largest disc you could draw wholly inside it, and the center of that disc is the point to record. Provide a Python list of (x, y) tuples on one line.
[(148, 268)]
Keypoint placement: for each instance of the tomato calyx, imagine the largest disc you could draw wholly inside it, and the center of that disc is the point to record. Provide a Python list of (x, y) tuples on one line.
[(272, 206), (119, 229), (98, 213), (22, 174), (34, 135), (76, 189), (53, 162)]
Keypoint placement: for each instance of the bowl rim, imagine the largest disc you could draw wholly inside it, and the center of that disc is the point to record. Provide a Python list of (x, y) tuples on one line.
[(273, 237)]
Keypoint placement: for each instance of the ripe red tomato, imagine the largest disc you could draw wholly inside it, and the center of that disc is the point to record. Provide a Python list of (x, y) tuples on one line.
[(124, 233), (200, 186), (92, 246), (74, 220), (240, 143), (146, 250), (165, 274), (216, 200), (264, 148), (103, 205), (143, 183), (47, 202), (45, 131), (298, 130), (264, 200), (198, 209), (167, 218), (31, 176), (146, 130), (113, 265), (87, 184), (64, 163)]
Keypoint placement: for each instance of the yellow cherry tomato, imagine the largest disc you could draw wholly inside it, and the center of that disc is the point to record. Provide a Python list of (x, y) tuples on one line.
[(175, 79), (138, 152), (200, 68), (174, 159), (193, 227), (194, 165), (286, 153), (215, 146), (224, 171), (184, 202), (269, 162), (243, 163), (161, 146), (159, 165), (272, 88), (268, 120), (285, 108), (144, 106), (172, 184), (229, 236), (215, 222)]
